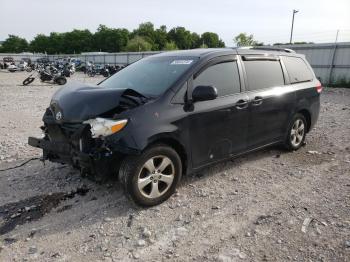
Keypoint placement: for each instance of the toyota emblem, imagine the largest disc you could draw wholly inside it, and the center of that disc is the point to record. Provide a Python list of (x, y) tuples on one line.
[(59, 116)]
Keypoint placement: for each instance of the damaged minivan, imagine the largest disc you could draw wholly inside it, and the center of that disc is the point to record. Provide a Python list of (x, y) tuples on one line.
[(176, 112)]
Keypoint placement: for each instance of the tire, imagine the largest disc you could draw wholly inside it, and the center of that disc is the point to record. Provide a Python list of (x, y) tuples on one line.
[(28, 80), (296, 133), (138, 181), (61, 80), (91, 74), (29, 69)]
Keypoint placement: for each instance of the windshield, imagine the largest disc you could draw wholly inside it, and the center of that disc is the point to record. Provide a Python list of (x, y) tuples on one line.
[(150, 76)]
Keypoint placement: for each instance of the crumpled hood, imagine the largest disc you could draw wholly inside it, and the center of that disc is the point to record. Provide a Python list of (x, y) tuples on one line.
[(79, 101)]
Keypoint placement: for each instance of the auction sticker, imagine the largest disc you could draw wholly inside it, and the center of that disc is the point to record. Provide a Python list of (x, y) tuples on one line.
[(181, 62)]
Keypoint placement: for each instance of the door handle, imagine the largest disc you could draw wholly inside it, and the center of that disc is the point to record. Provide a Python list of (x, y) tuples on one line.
[(257, 101), (241, 104)]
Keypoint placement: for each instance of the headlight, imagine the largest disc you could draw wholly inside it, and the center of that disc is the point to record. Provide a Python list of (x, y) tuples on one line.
[(105, 127)]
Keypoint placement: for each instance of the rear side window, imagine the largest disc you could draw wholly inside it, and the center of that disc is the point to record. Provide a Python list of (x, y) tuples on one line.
[(297, 69), (223, 76), (263, 74)]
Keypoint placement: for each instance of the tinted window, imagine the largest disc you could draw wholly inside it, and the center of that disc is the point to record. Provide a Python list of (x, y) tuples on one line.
[(297, 69), (150, 76), (223, 76), (263, 74)]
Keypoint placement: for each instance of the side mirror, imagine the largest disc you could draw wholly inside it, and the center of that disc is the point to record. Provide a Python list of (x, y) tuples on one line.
[(204, 93)]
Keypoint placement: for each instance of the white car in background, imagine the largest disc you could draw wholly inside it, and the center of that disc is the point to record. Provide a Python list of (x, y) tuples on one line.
[(12, 68)]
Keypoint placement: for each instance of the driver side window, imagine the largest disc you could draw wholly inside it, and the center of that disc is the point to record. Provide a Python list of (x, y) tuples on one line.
[(223, 76)]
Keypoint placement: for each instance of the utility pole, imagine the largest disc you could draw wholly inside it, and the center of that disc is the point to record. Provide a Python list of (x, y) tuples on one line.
[(330, 76), (291, 31)]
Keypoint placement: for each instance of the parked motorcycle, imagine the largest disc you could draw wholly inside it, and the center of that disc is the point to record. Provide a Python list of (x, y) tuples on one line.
[(91, 70), (46, 74)]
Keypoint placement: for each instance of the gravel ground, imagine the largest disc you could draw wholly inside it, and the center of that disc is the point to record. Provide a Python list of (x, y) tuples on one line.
[(270, 205)]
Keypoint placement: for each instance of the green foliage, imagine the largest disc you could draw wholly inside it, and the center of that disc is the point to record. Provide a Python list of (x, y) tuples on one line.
[(170, 46), (212, 40), (138, 44), (76, 41), (181, 37), (110, 39), (41, 43), (145, 37), (243, 39), (14, 44), (195, 40), (161, 38)]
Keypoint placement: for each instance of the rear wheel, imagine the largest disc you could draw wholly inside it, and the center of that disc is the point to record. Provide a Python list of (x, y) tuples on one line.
[(151, 178), (296, 133)]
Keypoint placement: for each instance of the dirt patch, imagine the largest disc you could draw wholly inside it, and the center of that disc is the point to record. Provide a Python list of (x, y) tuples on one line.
[(33, 208)]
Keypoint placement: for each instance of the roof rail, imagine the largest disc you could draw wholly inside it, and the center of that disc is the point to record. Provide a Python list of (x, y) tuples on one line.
[(287, 50)]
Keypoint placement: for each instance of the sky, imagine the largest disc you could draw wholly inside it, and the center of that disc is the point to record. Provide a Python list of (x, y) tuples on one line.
[(269, 20)]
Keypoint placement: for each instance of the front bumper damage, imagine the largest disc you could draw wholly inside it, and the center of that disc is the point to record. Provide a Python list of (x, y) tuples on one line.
[(73, 144)]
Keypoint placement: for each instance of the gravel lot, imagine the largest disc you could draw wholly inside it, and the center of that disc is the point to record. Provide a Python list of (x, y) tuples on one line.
[(270, 205)]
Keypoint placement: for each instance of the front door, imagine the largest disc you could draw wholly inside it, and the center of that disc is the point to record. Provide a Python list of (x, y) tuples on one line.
[(218, 127)]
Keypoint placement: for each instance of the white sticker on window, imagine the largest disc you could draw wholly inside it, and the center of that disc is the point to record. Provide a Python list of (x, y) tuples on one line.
[(181, 62)]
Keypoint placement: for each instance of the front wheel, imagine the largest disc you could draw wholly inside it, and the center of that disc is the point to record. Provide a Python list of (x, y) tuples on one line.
[(151, 178), (296, 133), (28, 80)]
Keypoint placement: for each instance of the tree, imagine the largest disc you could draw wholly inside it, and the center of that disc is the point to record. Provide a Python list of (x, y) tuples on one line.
[(110, 39), (14, 44), (40, 43), (196, 40), (145, 37), (170, 46), (161, 38), (147, 32), (76, 41), (181, 37), (212, 40), (243, 39), (138, 44)]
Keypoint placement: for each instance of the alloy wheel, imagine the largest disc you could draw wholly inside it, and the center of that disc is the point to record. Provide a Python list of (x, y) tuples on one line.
[(297, 132), (156, 177)]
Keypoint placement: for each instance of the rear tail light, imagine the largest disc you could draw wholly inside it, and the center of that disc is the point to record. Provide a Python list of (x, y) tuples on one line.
[(319, 87)]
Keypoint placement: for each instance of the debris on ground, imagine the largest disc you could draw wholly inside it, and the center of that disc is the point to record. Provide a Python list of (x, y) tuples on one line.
[(306, 223)]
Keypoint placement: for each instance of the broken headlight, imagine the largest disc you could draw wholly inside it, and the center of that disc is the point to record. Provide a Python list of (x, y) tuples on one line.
[(101, 127)]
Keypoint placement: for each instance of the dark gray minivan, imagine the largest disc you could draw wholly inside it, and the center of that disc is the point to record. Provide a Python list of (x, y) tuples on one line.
[(176, 112)]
